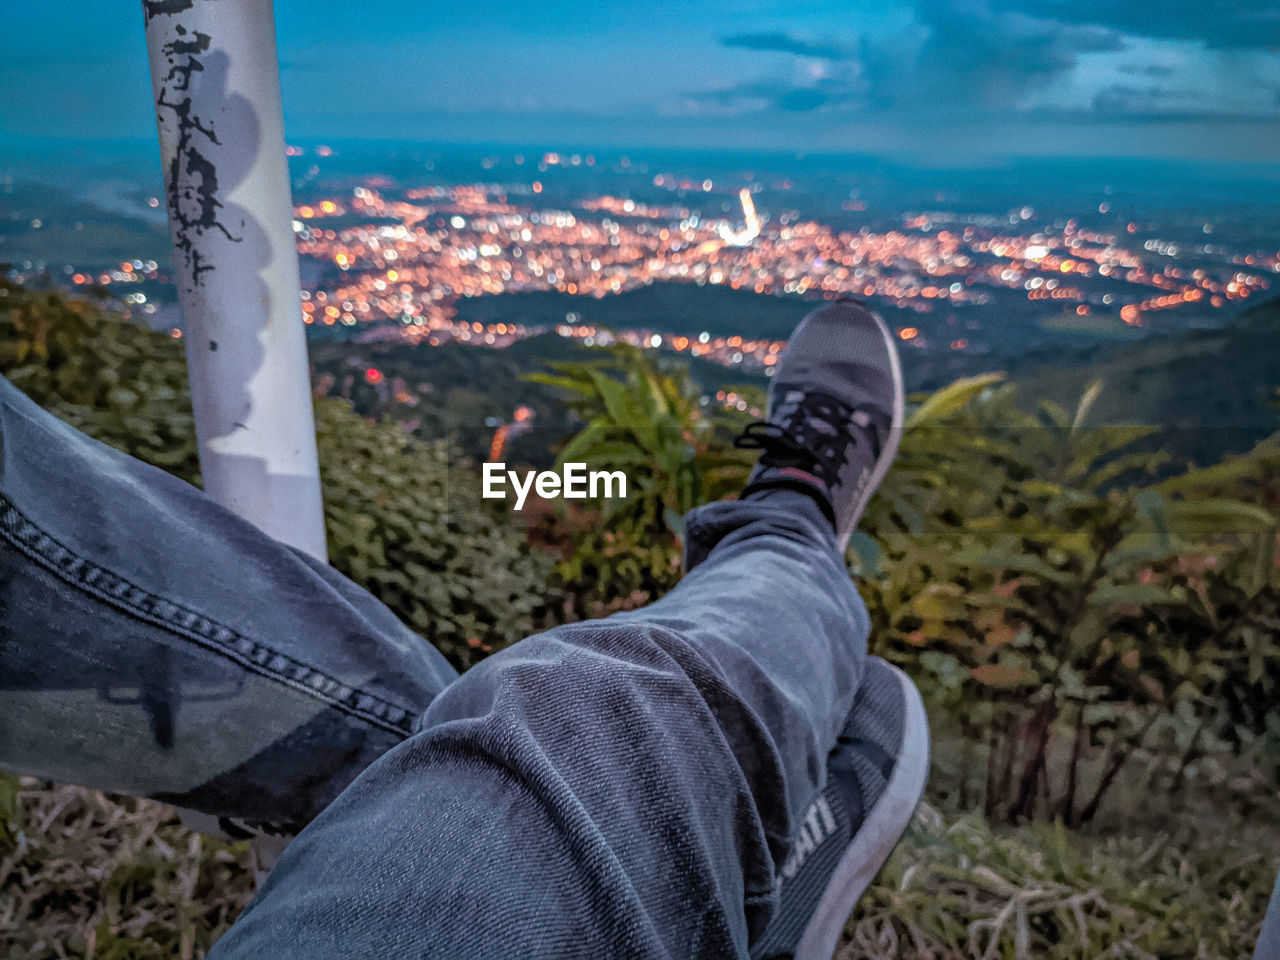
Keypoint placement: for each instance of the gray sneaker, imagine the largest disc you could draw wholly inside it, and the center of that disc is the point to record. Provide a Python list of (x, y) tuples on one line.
[(875, 778), (835, 413)]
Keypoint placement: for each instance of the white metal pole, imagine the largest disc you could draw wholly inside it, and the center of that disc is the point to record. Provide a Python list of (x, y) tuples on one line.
[(216, 79)]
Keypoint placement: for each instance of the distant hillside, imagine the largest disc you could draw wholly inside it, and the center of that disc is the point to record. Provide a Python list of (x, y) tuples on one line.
[(1214, 390), (670, 307), (689, 308), (1211, 389), (461, 391)]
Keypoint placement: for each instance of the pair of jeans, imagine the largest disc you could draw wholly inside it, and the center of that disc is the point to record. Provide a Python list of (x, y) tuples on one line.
[(615, 788)]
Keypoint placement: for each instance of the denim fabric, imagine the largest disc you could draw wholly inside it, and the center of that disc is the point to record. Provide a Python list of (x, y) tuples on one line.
[(615, 788), (154, 643)]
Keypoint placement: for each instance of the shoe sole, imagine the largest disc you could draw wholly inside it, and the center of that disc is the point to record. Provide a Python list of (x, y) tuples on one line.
[(890, 448), (877, 836)]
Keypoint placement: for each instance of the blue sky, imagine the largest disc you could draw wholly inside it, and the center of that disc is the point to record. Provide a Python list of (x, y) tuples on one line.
[(931, 81)]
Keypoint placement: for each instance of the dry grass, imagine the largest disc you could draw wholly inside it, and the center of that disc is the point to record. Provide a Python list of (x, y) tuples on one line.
[(956, 889), (87, 875), (83, 874)]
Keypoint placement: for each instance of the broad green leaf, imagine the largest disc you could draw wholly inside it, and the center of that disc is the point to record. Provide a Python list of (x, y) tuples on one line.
[(1220, 474), (951, 398), (1211, 517), (1090, 446), (590, 435), (999, 559), (1145, 462), (564, 383), (868, 553)]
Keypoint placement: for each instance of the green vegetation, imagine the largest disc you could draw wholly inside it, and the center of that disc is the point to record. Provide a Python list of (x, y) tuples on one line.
[(650, 424), (1095, 630), (1066, 614)]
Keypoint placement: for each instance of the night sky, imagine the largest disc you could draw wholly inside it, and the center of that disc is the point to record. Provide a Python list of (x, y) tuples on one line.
[(951, 81)]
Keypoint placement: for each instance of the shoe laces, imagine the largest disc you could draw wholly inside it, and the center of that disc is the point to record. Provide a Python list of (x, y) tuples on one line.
[(814, 435)]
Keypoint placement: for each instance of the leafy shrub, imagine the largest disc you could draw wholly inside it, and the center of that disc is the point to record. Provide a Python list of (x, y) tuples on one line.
[(113, 380), (1062, 608), (649, 422), (1063, 617), (406, 522), (404, 519)]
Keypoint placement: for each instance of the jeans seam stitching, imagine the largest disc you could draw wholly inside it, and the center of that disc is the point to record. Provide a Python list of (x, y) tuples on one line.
[(207, 633)]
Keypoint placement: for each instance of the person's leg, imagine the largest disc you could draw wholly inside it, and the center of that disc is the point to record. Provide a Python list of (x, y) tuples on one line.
[(152, 642), (636, 786), (616, 788)]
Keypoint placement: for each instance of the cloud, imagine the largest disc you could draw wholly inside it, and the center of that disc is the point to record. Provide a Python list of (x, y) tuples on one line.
[(1240, 24), (953, 55), (1135, 100), (967, 54), (779, 94), (955, 60), (778, 42), (1159, 70), (1138, 102)]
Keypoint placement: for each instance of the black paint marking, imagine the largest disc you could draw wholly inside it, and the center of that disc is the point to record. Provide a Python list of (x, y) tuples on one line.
[(157, 8), (192, 184)]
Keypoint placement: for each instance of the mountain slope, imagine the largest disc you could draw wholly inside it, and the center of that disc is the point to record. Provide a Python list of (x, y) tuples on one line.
[(1214, 390)]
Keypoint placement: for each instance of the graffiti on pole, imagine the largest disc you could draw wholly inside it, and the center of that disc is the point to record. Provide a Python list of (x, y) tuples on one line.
[(192, 183), (156, 8)]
